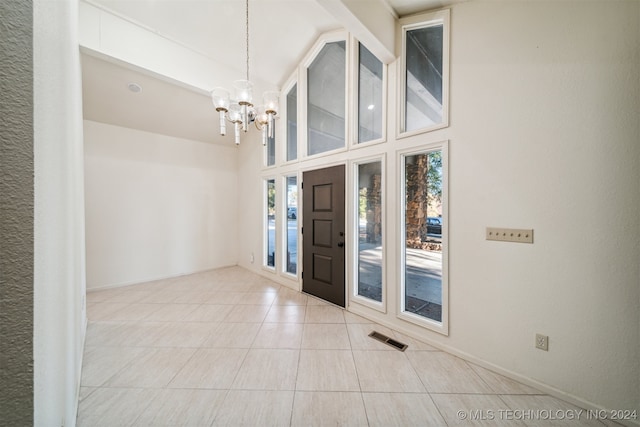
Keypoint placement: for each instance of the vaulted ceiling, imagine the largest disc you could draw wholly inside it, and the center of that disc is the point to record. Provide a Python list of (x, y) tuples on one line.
[(280, 34)]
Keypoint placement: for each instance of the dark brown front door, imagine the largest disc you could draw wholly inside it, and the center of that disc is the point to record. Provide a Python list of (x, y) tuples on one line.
[(323, 234)]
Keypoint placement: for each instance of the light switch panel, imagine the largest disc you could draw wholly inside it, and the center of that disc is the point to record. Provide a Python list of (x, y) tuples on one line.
[(510, 234)]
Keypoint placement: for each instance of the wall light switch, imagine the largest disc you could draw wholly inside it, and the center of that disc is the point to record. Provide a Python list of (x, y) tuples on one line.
[(510, 235)]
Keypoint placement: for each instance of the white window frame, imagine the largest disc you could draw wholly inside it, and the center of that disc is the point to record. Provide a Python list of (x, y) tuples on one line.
[(293, 80), (353, 83), (284, 226), (443, 326), (441, 17), (303, 143), (352, 257)]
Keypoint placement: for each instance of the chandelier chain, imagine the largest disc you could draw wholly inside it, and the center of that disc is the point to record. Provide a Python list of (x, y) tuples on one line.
[(247, 28)]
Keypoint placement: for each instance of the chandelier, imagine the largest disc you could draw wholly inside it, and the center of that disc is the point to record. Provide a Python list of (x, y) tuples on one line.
[(241, 111)]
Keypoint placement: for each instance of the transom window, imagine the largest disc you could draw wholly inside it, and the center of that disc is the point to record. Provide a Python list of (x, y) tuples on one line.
[(326, 110)]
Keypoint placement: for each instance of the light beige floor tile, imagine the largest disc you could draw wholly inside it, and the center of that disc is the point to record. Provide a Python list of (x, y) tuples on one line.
[(129, 294), (85, 392), (232, 335), (192, 296), (235, 285), (324, 314), (501, 384), (401, 410), (327, 370), (286, 314), (268, 369), (209, 313), (473, 410), (261, 284), (354, 318), (290, 297), (313, 300), (185, 334), (443, 373), (547, 411), (279, 335), (413, 344), (386, 371), (171, 312), (360, 339), (257, 298), (325, 336), (223, 297), (328, 409), (139, 334), (104, 310), (194, 408), (210, 368), (247, 314), (135, 311), (101, 363), (255, 408), (162, 297), (104, 333), (109, 407), (154, 368)]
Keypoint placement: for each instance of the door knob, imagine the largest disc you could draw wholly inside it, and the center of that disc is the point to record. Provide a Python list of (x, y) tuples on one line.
[(340, 244)]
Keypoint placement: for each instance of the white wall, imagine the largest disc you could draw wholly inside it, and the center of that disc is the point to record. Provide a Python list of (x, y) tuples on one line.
[(543, 134), (156, 206), (59, 265)]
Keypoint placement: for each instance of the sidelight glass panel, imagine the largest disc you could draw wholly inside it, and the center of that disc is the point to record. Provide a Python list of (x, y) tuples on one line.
[(423, 222), (326, 85), (370, 231), (292, 123), (369, 96), (292, 224), (424, 84), (270, 260)]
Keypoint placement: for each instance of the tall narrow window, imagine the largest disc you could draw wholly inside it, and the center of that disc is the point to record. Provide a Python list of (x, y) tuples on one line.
[(270, 234), (292, 123), (292, 224), (370, 231), (426, 69), (326, 99), (369, 96), (423, 243)]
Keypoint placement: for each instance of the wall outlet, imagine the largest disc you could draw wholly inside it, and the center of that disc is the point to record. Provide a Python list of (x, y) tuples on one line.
[(252, 258), (518, 235), (542, 342)]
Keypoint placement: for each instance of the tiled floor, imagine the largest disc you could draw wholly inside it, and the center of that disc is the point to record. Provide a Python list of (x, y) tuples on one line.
[(230, 348)]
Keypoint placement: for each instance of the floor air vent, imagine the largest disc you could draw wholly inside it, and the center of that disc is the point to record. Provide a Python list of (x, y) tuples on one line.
[(389, 341)]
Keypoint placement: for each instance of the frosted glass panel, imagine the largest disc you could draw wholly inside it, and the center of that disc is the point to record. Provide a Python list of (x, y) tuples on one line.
[(369, 96), (292, 123), (326, 99), (424, 80)]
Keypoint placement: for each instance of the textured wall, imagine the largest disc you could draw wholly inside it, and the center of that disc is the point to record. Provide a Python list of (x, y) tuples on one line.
[(16, 213)]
